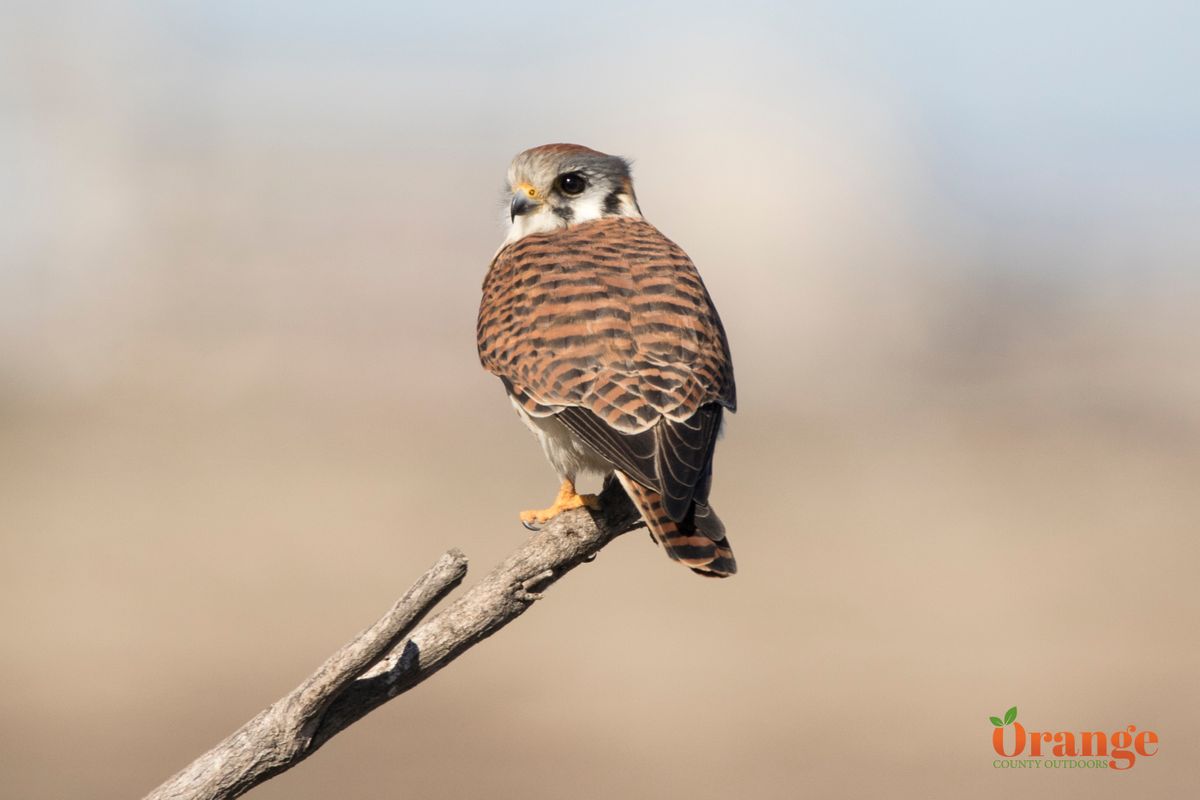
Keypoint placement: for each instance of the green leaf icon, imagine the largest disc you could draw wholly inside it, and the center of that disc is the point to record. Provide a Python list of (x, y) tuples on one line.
[(1010, 716), (996, 721)]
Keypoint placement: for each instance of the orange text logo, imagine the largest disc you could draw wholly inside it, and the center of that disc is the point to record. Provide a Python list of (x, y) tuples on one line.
[(1021, 748)]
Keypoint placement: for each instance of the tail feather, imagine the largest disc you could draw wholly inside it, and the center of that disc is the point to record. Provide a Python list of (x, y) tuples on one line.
[(698, 541)]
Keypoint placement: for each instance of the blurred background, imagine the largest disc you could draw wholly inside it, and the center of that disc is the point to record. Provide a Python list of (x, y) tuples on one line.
[(955, 246)]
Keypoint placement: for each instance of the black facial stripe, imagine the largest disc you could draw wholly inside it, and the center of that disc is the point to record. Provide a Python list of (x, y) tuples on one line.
[(612, 203), (566, 213)]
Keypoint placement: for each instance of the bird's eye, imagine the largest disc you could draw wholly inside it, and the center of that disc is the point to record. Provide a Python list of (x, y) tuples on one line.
[(571, 183)]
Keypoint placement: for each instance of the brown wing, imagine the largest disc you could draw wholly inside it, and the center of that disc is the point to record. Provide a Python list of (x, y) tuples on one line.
[(608, 325)]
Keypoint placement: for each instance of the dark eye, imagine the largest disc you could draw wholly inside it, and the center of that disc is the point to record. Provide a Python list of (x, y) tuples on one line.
[(571, 183)]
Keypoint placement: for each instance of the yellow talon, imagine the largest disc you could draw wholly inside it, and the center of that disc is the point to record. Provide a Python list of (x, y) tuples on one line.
[(566, 500)]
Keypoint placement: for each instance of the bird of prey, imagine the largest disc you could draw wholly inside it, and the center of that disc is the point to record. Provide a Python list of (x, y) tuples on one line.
[(609, 347)]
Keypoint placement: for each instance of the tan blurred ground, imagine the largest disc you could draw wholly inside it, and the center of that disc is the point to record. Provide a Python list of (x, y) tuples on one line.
[(240, 410)]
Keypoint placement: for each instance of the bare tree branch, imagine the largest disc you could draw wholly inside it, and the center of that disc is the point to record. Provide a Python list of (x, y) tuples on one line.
[(397, 653)]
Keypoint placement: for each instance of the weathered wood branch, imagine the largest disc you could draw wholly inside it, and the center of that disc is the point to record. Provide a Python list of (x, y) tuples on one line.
[(399, 651)]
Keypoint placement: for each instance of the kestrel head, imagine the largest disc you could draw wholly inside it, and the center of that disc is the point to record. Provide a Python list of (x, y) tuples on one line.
[(557, 185)]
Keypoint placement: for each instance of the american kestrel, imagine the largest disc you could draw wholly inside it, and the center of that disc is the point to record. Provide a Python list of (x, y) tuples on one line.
[(609, 347)]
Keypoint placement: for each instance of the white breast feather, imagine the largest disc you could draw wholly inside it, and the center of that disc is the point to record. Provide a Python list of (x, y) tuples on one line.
[(568, 455)]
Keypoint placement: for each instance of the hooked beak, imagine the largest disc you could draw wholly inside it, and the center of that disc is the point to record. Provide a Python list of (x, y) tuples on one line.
[(524, 200)]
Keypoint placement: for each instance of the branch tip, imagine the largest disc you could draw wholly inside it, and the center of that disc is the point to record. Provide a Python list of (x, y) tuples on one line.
[(396, 653)]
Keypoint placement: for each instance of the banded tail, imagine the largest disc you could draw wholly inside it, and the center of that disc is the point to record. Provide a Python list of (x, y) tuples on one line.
[(697, 541)]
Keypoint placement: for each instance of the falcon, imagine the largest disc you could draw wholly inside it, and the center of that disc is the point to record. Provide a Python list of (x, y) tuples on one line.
[(609, 347)]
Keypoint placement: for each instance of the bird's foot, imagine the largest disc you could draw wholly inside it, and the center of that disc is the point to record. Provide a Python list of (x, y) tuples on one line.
[(567, 499)]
